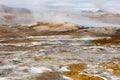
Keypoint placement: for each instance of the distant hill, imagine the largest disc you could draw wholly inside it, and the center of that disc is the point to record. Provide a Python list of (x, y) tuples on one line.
[(11, 15)]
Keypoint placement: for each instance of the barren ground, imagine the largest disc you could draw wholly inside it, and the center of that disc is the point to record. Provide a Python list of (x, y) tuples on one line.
[(75, 53)]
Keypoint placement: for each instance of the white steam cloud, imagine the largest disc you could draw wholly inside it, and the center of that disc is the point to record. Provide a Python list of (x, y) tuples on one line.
[(42, 10), (111, 6)]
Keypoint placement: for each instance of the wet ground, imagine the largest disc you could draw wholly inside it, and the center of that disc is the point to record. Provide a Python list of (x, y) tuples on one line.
[(82, 54)]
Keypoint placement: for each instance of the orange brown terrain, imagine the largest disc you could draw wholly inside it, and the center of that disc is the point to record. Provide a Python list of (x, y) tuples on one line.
[(44, 51)]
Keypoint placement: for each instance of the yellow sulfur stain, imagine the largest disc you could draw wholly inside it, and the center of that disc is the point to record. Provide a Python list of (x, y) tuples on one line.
[(89, 77), (77, 67), (116, 72), (74, 73), (77, 76)]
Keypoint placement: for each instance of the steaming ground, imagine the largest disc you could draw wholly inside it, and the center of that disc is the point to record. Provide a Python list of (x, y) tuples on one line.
[(87, 19), (70, 11), (111, 6), (89, 16)]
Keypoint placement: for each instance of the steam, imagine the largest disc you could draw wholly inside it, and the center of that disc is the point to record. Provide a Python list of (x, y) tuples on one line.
[(46, 16), (42, 10), (74, 18), (108, 6), (111, 6)]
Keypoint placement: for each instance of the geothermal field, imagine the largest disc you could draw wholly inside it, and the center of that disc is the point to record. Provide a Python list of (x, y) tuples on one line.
[(59, 44)]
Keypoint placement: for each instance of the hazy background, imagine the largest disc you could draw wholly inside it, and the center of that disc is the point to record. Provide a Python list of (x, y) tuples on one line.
[(112, 6), (53, 11)]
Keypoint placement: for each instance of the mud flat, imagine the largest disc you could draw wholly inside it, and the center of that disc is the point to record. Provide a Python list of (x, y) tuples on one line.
[(59, 51)]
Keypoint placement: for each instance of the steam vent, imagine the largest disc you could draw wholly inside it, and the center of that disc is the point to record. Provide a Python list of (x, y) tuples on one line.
[(59, 40)]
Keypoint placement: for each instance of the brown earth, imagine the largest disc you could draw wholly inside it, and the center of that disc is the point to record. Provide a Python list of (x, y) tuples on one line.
[(24, 47)]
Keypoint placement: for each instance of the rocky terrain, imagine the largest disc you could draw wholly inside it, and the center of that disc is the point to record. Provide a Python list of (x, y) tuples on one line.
[(59, 51)]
